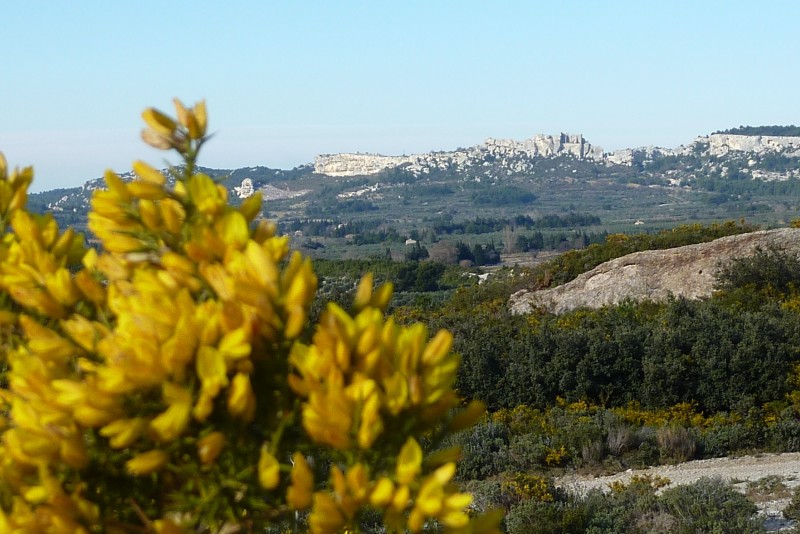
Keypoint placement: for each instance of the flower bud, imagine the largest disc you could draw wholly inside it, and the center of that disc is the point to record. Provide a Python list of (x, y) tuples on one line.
[(146, 462), (210, 446)]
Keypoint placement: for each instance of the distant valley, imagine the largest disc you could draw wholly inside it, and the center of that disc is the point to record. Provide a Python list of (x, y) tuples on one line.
[(550, 192)]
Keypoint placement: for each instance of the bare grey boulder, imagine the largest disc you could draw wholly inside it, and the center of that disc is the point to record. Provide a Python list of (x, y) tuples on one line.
[(654, 274)]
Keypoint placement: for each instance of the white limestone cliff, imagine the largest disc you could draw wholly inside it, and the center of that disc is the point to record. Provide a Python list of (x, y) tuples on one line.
[(512, 152), (539, 145), (722, 144)]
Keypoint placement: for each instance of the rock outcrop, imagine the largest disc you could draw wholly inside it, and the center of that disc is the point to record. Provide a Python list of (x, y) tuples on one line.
[(654, 274), (714, 145), (546, 146), (550, 146), (539, 145), (722, 144), (357, 164)]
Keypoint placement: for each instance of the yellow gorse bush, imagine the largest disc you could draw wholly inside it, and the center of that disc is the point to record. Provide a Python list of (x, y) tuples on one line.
[(170, 382)]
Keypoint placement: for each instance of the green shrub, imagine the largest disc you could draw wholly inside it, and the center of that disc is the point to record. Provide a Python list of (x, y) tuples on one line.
[(772, 269), (723, 440), (484, 451), (529, 450), (533, 517), (486, 495), (710, 506), (784, 434)]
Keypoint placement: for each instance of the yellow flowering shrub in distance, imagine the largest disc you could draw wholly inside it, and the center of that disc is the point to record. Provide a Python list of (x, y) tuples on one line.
[(170, 382)]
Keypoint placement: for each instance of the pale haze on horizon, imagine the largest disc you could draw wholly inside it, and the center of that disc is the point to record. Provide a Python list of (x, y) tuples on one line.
[(285, 81)]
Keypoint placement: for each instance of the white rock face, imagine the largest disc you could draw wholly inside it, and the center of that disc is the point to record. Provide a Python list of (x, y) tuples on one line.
[(357, 164), (539, 145), (546, 145), (245, 190), (721, 144), (654, 274), (715, 145)]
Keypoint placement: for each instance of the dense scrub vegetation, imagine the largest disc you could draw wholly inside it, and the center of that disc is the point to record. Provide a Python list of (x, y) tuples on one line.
[(485, 225), (710, 353), (503, 195)]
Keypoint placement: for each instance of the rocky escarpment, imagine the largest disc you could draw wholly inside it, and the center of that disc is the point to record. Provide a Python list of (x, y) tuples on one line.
[(722, 144), (718, 145), (539, 145), (513, 153), (654, 274)]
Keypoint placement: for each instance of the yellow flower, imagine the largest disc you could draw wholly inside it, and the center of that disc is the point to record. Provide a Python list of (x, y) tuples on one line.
[(299, 494), (241, 400), (123, 432), (210, 446), (146, 190), (325, 518), (219, 279), (148, 173), (205, 195), (194, 120), (173, 214), (251, 206), (400, 499), (201, 117), (363, 292), (232, 229), (382, 492), (159, 122), (211, 369), (268, 469), (162, 132), (382, 296), (171, 423), (371, 423), (409, 462), (61, 286), (204, 406), (327, 416), (437, 348), (92, 416), (146, 462), (235, 345), (45, 343), (358, 482)]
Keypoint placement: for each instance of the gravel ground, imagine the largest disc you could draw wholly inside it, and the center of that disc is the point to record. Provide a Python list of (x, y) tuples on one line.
[(739, 471)]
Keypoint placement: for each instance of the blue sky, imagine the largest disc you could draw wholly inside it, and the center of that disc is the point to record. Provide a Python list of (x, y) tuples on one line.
[(285, 81)]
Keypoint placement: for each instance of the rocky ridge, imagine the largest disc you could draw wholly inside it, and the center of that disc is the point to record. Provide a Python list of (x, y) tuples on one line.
[(539, 145), (548, 146), (687, 271)]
